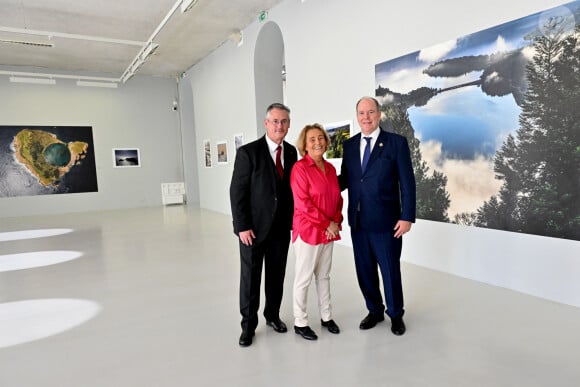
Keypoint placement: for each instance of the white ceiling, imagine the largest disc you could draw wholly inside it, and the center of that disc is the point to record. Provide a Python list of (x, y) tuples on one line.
[(184, 39)]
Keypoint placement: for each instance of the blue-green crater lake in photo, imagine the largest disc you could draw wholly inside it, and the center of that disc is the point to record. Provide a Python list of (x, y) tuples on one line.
[(57, 154)]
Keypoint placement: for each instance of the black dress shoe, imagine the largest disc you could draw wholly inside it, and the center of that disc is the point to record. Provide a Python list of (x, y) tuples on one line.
[(246, 338), (305, 332), (371, 320), (278, 325), (331, 326), (398, 326)]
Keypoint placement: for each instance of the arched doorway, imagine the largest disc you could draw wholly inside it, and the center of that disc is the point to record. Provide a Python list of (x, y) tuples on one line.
[(269, 73)]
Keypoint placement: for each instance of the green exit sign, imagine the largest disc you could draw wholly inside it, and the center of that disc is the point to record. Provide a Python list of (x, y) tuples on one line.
[(263, 16)]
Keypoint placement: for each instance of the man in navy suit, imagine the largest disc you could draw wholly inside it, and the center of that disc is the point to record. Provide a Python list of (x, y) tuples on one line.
[(262, 209), (378, 173)]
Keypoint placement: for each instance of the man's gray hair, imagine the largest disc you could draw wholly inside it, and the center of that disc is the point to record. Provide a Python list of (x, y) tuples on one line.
[(277, 105), (370, 99)]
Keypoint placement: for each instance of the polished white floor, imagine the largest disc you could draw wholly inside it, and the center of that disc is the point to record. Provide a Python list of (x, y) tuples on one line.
[(149, 297)]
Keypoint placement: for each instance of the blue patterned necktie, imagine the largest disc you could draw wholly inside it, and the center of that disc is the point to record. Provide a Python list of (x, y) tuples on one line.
[(367, 153)]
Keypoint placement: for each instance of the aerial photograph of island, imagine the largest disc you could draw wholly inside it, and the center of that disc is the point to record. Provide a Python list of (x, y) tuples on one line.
[(45, 160)]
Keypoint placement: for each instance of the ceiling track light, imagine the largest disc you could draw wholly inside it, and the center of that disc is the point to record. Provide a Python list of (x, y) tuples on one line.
[(26, 43), (37, 81), (53, 34), (111, 85), (136, 66), (150, 47), (147, 49), (50, 79)]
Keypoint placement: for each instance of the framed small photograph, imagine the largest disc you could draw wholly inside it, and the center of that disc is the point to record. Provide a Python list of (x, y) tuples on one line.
[(207, 153), (222, 152), (238, 141), (338, 132), (126, 157)]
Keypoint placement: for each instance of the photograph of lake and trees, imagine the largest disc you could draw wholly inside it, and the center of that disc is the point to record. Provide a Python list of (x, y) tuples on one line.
[(493, 122)]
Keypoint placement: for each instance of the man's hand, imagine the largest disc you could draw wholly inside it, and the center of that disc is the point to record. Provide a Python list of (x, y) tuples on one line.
[(247, 237), (402, 227)]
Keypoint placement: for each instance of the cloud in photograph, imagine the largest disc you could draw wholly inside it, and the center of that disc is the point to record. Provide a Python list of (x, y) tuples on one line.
[(469, 182), (437, 52)]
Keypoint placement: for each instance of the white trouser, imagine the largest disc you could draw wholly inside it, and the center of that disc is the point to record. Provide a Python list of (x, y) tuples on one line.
[(311, 260)]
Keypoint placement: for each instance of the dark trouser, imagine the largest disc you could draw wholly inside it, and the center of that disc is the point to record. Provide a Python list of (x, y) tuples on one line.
[(372, 249), (273, 252)]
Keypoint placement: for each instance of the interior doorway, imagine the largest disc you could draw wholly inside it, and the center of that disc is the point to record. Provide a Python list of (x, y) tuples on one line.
[(269, 71)]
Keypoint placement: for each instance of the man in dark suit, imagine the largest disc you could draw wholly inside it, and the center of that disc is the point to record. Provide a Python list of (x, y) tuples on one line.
[(262, 209), (378, 174)]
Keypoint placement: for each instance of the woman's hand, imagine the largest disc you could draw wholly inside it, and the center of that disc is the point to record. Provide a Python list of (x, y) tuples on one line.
[(332, 230)]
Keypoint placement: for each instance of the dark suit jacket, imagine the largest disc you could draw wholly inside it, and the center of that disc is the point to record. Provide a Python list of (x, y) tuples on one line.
[(256, 191), (385, 193)]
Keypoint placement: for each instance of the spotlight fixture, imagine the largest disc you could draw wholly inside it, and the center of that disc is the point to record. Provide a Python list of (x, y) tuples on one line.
[(149, 50), (237, 37), (186, 5)]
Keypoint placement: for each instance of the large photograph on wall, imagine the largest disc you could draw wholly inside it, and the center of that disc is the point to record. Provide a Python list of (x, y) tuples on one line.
[(493, 123), (45, 160)]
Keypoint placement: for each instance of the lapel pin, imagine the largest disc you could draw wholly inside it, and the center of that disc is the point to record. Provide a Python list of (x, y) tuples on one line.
[(380, 144)]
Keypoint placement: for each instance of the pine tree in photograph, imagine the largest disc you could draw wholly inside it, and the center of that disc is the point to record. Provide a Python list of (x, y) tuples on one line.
[(540, 167), (432, 196)]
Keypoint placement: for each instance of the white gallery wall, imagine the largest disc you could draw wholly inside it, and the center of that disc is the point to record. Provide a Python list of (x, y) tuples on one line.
[(331, 48), (138, 114)]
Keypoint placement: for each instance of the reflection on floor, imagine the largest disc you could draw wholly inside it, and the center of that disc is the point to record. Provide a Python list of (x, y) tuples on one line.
[(31, 234), (30, 320), (152, 301), (20, 261)]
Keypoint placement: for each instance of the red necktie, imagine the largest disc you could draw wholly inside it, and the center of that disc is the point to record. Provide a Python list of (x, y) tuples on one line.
[(279, 162)]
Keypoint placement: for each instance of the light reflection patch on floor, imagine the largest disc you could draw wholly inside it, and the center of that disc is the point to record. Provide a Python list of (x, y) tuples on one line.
[(10, 262), (31, 234), (30, 320)]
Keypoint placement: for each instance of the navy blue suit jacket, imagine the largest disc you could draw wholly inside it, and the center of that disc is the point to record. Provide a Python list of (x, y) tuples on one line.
[(385, 192)]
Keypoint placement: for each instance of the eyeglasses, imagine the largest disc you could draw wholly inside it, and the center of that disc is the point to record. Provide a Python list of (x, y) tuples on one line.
[(281, 122)]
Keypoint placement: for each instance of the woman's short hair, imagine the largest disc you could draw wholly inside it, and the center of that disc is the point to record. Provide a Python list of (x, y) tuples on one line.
[(301, 142)]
